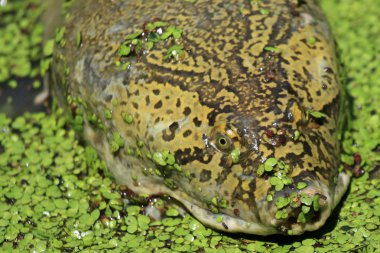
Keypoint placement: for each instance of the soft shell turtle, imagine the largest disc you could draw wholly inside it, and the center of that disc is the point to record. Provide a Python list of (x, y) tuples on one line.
[(231, 107)]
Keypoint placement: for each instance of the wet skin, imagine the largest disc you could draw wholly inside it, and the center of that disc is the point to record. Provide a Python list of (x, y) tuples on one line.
[(251, 110)]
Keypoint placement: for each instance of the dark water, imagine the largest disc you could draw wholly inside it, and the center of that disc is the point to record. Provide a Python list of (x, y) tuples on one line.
[(16, 101)]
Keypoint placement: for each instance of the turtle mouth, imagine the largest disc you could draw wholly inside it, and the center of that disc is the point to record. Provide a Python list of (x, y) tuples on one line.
[(270, 222), (228, 223), (306, 210)]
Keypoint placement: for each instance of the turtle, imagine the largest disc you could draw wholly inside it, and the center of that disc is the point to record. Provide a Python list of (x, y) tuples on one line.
[(233, 108)]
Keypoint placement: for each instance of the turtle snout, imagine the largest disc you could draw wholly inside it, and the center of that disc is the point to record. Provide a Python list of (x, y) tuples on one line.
[(298, 211)]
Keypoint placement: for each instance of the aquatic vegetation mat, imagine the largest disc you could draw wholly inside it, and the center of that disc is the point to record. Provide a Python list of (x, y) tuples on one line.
[(56, 195)]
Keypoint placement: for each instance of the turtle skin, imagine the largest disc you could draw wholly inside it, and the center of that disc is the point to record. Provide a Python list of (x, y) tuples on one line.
[(240, 123)]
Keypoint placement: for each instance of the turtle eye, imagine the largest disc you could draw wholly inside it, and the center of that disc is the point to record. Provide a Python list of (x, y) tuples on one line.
[(223, 142)]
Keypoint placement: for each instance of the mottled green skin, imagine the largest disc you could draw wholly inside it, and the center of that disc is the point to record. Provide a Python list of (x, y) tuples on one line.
[(226, 85)]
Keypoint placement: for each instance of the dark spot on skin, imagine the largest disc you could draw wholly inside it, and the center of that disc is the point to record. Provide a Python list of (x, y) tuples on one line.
[(178, 104), (205, 176), (358, 171), (174, 126), (328, 70), (197, 122), (187, 111), (282, 139), (294, 58), (188, 155), (123, 103), (269, 133), (156, 92), (237, 212), (108, 98), (158, 105), (225, 226), (187, 133), (135, 105), (147, 100), (167, 97), (318, 93), (169, 111), (168, 136)]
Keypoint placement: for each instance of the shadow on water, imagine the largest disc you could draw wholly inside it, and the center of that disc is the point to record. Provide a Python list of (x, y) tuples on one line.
[(16, 101)]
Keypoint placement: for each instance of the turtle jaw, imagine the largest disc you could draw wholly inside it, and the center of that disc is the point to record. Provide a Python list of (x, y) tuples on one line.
[(311, 208), (268, 223), (227, 223)]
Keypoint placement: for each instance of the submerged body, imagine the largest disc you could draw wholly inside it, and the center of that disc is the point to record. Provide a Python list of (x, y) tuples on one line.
[(231, 107)]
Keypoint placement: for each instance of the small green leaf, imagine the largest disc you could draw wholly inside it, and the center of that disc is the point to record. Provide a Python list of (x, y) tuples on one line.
[(273, 50), (48, 48), (149, 45), (279, 186), (316, 203), (154, 25), (305, 209), (281, 214), (297, 135), (166, 34), (134, 35), (287, 180), (311, 40), (301, 218), (172, 212), (124, 50), (154, 37), (316, 114), (301, 185), (127, 118), (235, 154), (275, 181), (282, 202), (159, 159), (177, 33), (270, 163), (306, 199), (78, 38), (108, 114), (174, 52), (264, 11)]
